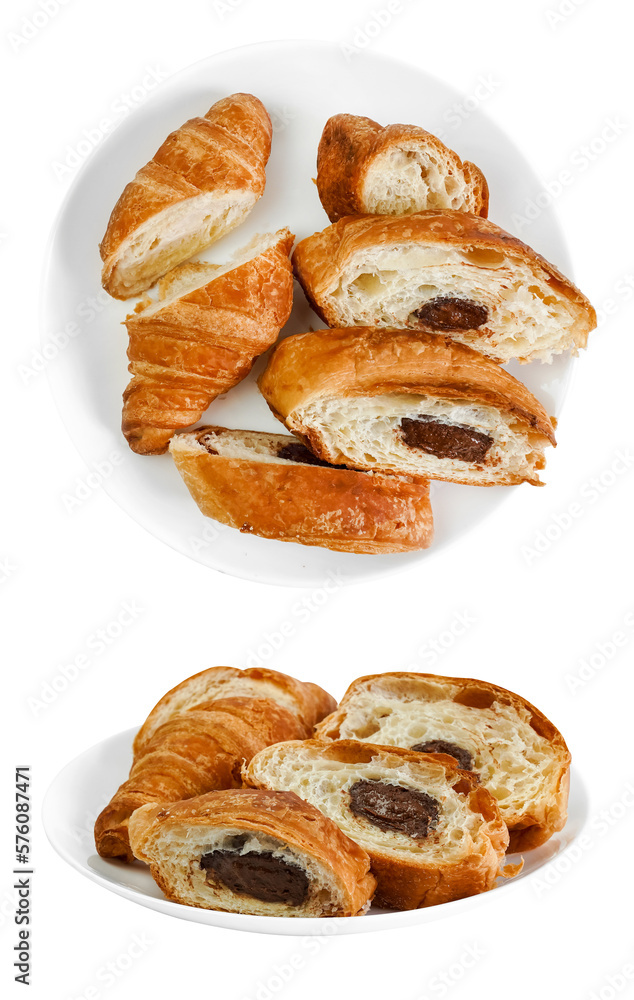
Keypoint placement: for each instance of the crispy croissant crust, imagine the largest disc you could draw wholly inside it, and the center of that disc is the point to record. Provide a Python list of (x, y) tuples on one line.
[(211, 170), (190, 754), (262, 494), (310, 369), (172, 839), (330, 266), (407, 878), (361, 709), (203, 340), (354, 152), (307, 701)]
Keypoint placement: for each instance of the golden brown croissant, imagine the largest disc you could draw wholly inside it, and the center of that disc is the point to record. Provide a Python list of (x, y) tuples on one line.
[(444, 272), (414, 404), (433, 833), (202, 182), (251, 851), (193, 753), (271, 485), (307, 701), (521, 757), (202, 337), (365, 168)]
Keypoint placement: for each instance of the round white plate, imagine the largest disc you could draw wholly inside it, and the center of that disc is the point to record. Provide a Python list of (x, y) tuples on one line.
[(302, 84), (83, 788)]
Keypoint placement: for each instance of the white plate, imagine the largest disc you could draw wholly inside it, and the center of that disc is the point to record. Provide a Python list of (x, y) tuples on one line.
[(83, 787), (302, 84)]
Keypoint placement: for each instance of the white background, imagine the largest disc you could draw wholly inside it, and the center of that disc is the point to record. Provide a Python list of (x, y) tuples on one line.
[(555, 82)]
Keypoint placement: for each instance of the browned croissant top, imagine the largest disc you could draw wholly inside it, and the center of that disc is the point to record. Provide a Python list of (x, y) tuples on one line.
[(349, 148), (192, 753), (364, 361), (281, 815), (228, 147), (307, 700), (186, 350), (319, 259), (225, 151)]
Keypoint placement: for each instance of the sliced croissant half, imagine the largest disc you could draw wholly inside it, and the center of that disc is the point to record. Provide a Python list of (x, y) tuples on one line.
[(363, 168), (415, 404), (444, 272), (202, 336), (433, 833), (202, 182), (271, 485), (519, 755), (248, 851)]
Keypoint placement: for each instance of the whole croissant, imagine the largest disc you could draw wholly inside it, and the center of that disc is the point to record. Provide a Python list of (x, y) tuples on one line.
[(202, 338), (192, 753), (200, 184)]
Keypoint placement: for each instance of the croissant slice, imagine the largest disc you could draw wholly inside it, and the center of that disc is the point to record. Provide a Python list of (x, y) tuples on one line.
[(519, 755), (432, 832), (364, 168), (248, 851), (191, 754), (202, 337), (407, 403), (444, 272), (271, 485), (307, 701), (203, 181)]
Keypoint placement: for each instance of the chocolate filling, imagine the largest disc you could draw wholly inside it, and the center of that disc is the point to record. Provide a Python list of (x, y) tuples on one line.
[(298, 452), (447, 313), (261, 876), (464, 758), (445, 440), (394, 808), (204, 441)]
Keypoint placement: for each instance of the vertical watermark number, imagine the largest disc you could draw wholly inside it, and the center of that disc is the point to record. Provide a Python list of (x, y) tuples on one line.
[(22, 885)]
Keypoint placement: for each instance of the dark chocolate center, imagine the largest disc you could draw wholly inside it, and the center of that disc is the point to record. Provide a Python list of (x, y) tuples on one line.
[(463, 757), (298, 452), (261, 876), (205, 441), (454, 441), (392, 807), (447, 313)]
